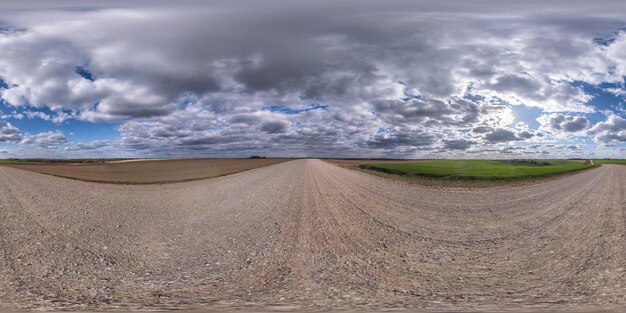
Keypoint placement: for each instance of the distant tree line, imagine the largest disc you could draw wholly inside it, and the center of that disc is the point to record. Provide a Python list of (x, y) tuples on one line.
[(528, 161)]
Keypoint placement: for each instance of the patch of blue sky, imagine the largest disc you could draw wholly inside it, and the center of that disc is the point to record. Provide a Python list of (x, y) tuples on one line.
[(410, 96), (604, 41), (527, 115), (603, 100), (521, 112), (84, 73), (289, 110), (469, 95), (407, 96), (32, 126), (84, 132), (609, 39), (79, 131), (10, 30), (473, 97), (188, 99), (3, 84), (7, 145)]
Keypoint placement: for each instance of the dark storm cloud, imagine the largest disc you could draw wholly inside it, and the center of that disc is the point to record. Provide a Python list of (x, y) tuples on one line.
[(201, 74)]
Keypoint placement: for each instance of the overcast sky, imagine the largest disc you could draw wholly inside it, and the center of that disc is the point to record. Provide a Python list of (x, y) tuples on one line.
[(406, 79)]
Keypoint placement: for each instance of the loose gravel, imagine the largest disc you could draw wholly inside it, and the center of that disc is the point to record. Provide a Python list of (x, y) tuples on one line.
[(307, 234)]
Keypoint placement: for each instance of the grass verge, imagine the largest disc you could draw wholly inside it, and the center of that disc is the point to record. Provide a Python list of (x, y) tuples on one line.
[(9, 162), (479, 169)]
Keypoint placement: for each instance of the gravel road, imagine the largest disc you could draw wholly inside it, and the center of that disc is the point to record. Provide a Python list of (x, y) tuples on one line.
[(309, 234)]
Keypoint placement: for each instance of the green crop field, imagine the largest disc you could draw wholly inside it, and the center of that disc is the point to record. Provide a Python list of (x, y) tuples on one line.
[(2, 162), (479, 169), (610, 162)]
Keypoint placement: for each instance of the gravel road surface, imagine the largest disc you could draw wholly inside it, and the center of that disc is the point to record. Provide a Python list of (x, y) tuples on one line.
[(309, 234)]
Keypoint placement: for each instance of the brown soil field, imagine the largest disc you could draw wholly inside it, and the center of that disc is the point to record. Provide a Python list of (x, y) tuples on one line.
[(135, 160), (149, 170), (307, 234)]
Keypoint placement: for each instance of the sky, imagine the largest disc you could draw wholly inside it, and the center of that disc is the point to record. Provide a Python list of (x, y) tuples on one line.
[(368, 79)]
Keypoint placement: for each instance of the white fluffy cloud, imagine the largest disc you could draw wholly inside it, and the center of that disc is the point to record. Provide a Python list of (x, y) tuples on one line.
[(49, 139), (613, 130), (564, 123)]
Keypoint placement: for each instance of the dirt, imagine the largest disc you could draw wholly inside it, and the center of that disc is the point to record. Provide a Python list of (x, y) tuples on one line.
[(136, 160), (307, 234), (150, 170)]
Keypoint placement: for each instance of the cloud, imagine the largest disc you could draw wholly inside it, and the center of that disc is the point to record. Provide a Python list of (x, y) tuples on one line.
[(275, 127), (567, 123), (283, 81), (428, 112), (459, 144), (9, 133), (482, 129), (574, 147), (49, 139), (609, 131), (93, 145), (401, 140), (37, 114), (501, 135), (525, 135)]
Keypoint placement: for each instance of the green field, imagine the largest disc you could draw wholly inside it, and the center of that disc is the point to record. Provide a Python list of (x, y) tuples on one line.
[(2, 162), (479, 169), (610, 162)]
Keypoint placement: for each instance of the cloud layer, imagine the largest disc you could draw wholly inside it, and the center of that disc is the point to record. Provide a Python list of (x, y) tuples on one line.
[(407, 79)]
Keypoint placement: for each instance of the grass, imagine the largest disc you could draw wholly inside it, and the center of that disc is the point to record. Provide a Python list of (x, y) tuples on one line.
[(4, 162), (480, 169), (604, 161)]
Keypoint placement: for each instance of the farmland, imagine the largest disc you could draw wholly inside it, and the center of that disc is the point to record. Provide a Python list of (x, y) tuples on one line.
[(307, 234), (5, 162), (607, 161), (479, 169), (147, 171)]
